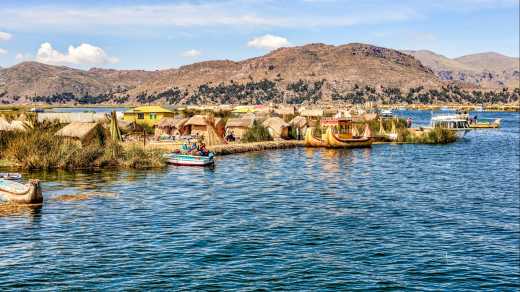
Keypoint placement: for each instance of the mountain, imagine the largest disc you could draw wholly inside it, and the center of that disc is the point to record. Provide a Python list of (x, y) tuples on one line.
[(336, 69), (486, 70), (310, 73)]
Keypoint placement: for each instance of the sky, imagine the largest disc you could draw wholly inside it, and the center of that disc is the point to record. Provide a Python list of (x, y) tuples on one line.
[(153, 34)]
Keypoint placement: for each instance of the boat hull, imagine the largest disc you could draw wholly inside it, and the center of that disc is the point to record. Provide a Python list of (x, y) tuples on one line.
[(17, 193), (335, 142), (311, 141), (190, 160), (493, 125)]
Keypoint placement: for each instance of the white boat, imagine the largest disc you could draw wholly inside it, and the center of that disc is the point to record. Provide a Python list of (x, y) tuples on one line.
[(18, 193), (190, 160), (454, 123), (10, 175), (479, 109), (386, 113)]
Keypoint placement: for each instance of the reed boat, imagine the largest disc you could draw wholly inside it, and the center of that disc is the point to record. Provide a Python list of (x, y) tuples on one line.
[(334, 140), (486, 124), (312, 141), (339, 133), (190, 160), (14, 192)]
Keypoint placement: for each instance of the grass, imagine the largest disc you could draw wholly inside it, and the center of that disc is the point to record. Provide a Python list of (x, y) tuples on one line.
[(257, 133), (39, 148)]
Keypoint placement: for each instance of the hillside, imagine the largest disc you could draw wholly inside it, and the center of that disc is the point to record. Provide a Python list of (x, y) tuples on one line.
[(486, 70), (311, 73)]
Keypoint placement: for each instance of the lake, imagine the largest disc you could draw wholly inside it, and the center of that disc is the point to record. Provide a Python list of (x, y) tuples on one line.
[(396, 217)]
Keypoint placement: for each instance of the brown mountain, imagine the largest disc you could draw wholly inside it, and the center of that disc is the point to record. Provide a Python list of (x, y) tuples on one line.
[(486, 70), (310, 72)]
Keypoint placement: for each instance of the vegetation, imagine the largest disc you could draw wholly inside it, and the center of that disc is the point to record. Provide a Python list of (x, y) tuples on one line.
[(39, 148), (257, 133)]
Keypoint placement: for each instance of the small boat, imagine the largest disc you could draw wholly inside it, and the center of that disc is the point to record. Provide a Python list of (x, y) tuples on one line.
[(339, 133), (10, 175), (190, 160), (334, 140), (36, 110), (312, 141), (486, 124), (14, 192), (387, 114), (453, 123), (479, 109)]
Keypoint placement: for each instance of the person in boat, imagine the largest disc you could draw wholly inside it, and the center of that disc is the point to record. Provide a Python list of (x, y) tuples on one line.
[(230, 137), (475, 119), (409, 122)]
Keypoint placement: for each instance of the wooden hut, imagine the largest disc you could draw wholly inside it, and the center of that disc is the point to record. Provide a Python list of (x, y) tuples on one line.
[(83, 132), (239, 126), (171, 126), (278, 129)]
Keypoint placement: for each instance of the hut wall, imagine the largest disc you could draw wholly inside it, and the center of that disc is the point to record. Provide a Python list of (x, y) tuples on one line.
[(196, 129), (238, 132)]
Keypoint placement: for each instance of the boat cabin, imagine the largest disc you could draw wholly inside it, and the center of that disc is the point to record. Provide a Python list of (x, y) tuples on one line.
[(342, 127), (450, 122)]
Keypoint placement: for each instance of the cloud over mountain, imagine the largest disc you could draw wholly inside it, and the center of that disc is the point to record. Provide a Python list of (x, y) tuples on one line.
[(268, 41), (84, 54)]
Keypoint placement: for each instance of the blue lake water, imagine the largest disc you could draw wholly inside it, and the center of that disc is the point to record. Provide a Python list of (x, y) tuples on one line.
[(396, 217)]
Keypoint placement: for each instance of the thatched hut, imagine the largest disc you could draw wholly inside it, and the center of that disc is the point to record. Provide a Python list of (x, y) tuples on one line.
[(171, 126), (278, 129), (13, 126), (298, 125), (83, 132), (313, 116), (239, 126), (197, 125), (212, 129)]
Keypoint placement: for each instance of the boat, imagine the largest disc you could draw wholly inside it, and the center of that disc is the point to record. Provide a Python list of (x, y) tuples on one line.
[(486, 124), (190, 160), (453, 123), (339, 133), (10, 175), (312, 141), (387, 114), (479, 109), (18, 193), (36, 110)]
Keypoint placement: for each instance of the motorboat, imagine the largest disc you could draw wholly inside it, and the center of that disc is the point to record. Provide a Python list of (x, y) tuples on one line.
[(454, 123)]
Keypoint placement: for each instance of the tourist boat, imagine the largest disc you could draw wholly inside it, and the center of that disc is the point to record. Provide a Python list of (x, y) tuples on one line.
[(190, 160), (339, 133), (10, 175), (387, 114), (18, 193), (479, 109), (486, 124), (453, 123)]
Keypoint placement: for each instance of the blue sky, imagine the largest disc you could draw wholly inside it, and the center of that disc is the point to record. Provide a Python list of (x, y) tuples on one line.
[(136, 34)]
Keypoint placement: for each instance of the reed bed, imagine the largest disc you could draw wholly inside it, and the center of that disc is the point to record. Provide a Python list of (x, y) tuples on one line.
[(233, 148)]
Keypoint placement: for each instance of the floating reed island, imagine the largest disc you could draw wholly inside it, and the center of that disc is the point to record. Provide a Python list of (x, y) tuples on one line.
[(140, 137)]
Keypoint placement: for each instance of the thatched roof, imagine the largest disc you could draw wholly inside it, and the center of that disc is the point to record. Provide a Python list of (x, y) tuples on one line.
[(149, 109), (4, 125), (197, 120), (284, 111), (298, 122), (13, 126), (77, 130), (311, 112), (176, 123), (18, 125), (240, 122), (275, 123)]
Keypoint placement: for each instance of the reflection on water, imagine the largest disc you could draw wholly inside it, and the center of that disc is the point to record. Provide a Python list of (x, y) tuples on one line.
[(390, 217)]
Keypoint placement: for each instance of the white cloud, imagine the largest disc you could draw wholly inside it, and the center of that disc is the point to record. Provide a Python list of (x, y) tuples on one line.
[(268, 41), (3, 51), (84, 54), (233, 13), (191, 53), (5, 36)]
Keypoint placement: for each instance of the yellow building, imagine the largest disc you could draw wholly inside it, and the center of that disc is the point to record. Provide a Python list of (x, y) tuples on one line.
[(149, 115)]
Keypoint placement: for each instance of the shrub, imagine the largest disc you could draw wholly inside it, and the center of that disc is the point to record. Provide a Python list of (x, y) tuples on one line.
[(257, 133)]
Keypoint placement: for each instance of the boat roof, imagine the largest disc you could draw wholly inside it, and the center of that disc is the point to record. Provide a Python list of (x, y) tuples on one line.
[(451, 118)]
